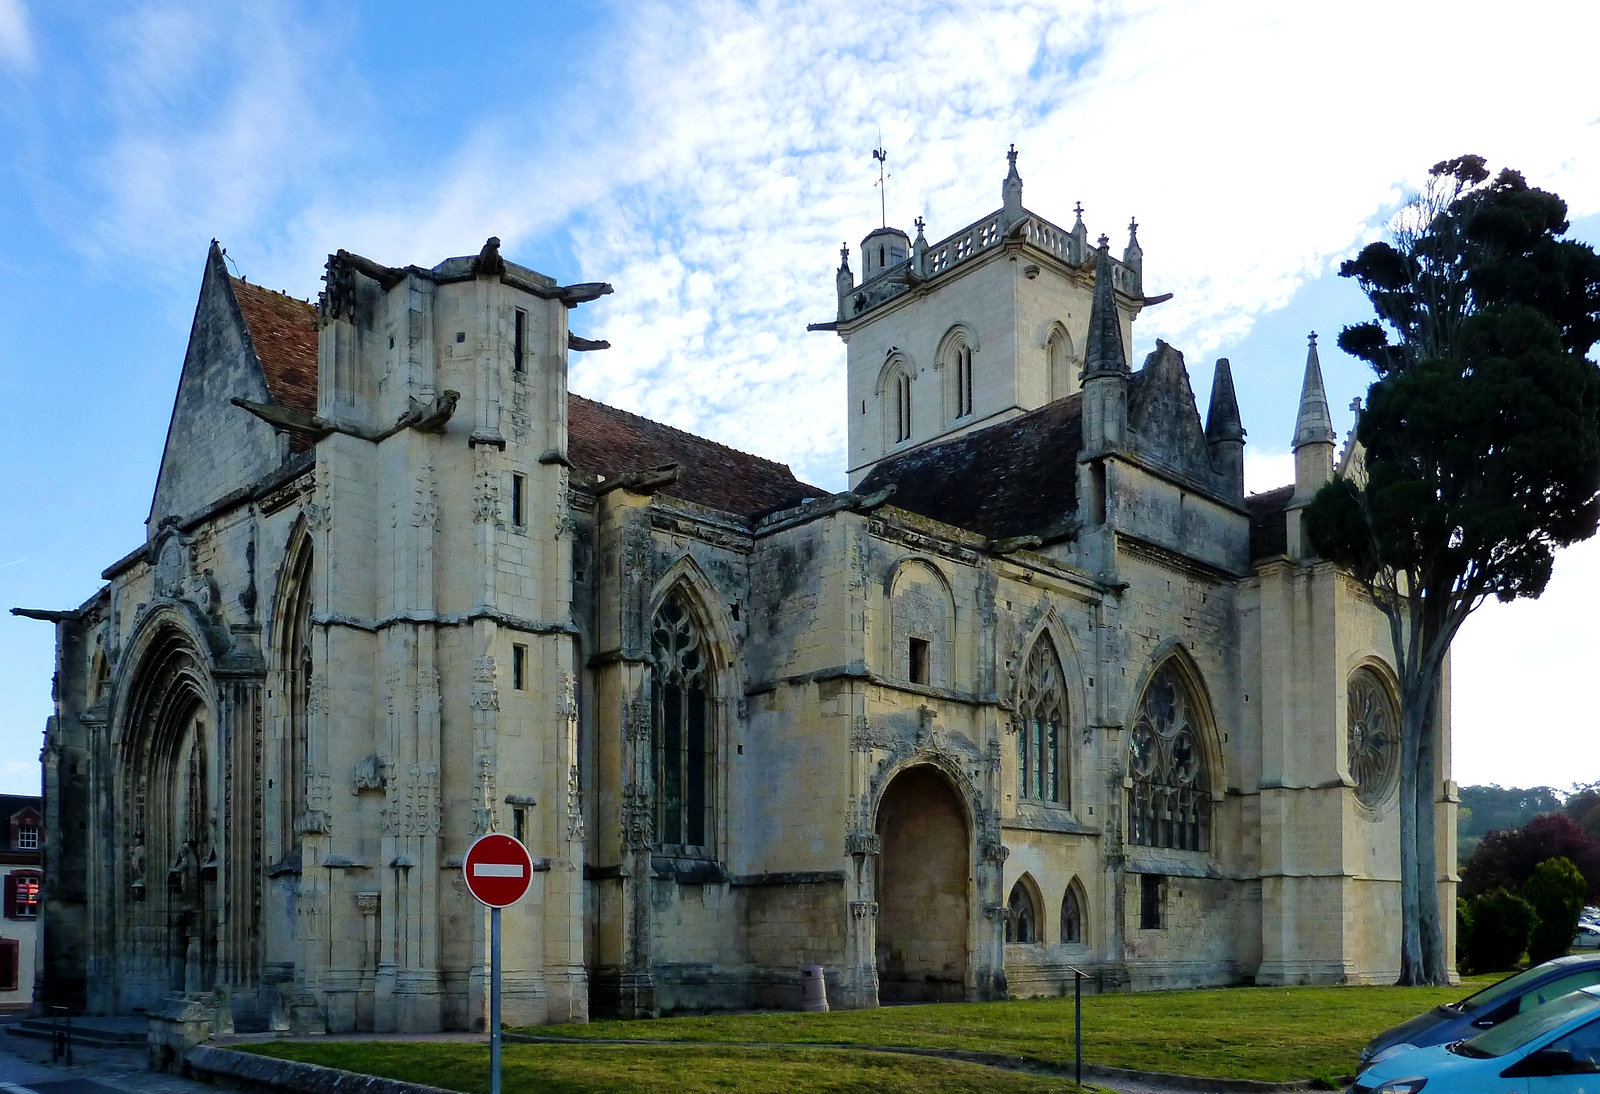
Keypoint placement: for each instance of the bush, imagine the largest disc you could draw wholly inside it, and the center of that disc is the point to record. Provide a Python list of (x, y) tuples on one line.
[(1506, 860), (1556, 890), (1463, 934), (1501, 923)]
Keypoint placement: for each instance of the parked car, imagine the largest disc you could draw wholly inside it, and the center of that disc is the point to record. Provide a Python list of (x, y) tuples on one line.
[(1587, 938), (1544, 1047), (1488, 1008)]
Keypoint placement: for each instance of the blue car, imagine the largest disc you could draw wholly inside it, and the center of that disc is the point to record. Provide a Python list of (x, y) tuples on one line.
[(1487, 1008), (1553, 1049)]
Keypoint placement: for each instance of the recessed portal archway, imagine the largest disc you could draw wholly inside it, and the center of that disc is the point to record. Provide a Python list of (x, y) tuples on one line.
[(923, 881)]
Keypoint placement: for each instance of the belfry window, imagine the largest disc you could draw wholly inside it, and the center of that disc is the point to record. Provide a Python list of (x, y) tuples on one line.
[(963, 363), (902, 407), (1169, 804), (681, 727), (1041, 718)]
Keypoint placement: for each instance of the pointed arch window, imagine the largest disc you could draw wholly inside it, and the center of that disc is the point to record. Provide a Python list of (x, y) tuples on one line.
[(902, 407), (955, 361), (1058, 354), (1022, 918), (1169, 804), (1042, 719), (1071, 915), (681, 726)]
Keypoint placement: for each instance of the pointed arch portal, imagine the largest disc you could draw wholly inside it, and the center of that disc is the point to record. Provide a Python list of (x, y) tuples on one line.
[(923, 902)]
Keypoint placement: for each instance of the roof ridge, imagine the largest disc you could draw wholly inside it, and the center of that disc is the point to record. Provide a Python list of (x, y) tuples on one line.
[(685, 433), (239, 281)]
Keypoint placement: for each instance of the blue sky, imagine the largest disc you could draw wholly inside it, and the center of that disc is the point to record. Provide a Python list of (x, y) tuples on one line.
[(707, 159)]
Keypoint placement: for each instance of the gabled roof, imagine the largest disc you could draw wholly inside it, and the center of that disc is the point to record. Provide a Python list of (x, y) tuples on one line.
[(605, 441), (284, 333), (1015, 478), (1269, 529)]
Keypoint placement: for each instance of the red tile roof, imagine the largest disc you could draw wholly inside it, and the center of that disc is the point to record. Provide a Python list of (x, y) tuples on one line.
[(603, 440), (284, 332)]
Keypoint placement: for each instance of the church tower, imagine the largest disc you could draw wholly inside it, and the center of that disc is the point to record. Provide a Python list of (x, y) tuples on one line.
[(982, 325)]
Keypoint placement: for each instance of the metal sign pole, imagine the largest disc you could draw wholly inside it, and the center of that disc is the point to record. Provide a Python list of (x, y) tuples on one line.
[(494, 1001)]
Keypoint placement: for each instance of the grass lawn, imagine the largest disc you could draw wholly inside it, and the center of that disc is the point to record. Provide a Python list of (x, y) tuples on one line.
[(683, 1069), (1274, 1034)]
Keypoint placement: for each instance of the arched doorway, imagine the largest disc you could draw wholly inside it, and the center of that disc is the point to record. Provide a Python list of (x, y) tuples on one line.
[(169, 804), (923, 881)]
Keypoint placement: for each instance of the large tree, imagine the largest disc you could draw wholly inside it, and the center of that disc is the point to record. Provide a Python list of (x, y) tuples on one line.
[(1480, 452)]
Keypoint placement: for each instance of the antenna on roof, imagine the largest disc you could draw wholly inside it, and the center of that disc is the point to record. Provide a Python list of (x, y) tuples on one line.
[(882, 157)]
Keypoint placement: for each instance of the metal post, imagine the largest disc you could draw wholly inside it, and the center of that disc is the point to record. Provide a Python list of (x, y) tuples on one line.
[(494, 1001)]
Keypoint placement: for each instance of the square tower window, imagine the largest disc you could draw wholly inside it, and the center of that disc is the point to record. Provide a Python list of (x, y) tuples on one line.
[(1150, 887), (917, 660)]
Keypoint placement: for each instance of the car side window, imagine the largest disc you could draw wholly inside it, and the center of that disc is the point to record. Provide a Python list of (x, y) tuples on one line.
[(1555, 989), (1583, 1045)]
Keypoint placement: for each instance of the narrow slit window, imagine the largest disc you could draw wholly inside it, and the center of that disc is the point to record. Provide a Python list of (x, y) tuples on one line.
[(519, 823), (917, 658), (518, 517), (519, 668), (519, 343)]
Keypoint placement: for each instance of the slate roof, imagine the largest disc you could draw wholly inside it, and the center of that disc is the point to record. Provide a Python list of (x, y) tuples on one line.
[(284, 332), (1269, 530), (1015, 478), (603, 440)]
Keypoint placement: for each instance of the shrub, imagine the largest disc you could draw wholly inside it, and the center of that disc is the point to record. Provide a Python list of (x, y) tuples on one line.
[(1501, 923), (1556, 890), (1506, 860), (1463, 934)]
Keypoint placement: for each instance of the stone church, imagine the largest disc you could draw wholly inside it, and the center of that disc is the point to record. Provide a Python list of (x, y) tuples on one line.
[(1043, 689)]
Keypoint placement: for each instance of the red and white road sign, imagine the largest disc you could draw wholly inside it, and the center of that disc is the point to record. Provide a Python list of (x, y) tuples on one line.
[(498, 869)]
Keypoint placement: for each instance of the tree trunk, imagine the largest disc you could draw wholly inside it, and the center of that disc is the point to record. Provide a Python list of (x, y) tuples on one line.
[(1411, 968), (1432, 937)]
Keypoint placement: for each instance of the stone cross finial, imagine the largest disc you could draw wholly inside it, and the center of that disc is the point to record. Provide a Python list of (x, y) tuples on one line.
[(1355, 404), (1011, 157), (920, 224), (1313, 338), (1077, 208), (1104, 241), (844, 254), (1133, 227)]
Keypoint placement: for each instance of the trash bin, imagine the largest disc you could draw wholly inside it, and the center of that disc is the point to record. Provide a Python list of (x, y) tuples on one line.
[(813, 988)]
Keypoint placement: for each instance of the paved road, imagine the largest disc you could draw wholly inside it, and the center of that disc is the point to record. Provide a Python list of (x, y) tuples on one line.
[(26, 1068)]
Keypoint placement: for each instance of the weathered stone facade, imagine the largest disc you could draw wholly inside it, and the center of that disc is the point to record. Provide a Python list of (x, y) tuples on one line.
[(1045, 689)]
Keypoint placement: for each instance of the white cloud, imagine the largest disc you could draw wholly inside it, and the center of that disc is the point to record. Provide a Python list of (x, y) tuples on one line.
[(16, 38)]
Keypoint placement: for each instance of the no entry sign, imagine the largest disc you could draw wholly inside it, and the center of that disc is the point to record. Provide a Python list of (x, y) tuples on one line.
[(498, 869)]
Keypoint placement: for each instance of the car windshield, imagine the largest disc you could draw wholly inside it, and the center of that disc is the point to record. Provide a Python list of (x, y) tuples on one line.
[(1515, 1032), (1501, 990)]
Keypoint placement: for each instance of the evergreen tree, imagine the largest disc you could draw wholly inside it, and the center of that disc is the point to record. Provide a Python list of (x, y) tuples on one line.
[(1480, 451)]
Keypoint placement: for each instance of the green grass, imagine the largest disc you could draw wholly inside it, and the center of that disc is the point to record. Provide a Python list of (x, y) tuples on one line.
[(1273, 1034), (683, 1069)]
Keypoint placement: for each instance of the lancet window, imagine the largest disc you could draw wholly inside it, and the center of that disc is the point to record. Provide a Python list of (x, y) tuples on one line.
[(1071, 916), (681, 728), (901, 405), (955, 359), (1042, 719), (1169, 804), (1373, 737), (1022, 919)]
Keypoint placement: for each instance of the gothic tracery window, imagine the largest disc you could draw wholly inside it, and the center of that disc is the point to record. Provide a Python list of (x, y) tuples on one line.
[(1373, 738), (1169, 804), (1042, 719), (681, 730)]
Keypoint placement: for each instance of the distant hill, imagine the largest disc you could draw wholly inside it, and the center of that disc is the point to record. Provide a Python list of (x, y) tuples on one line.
[(1494, 808)]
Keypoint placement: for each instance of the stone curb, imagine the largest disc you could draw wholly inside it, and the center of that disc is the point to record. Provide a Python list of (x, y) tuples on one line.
[(252, 1072)]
